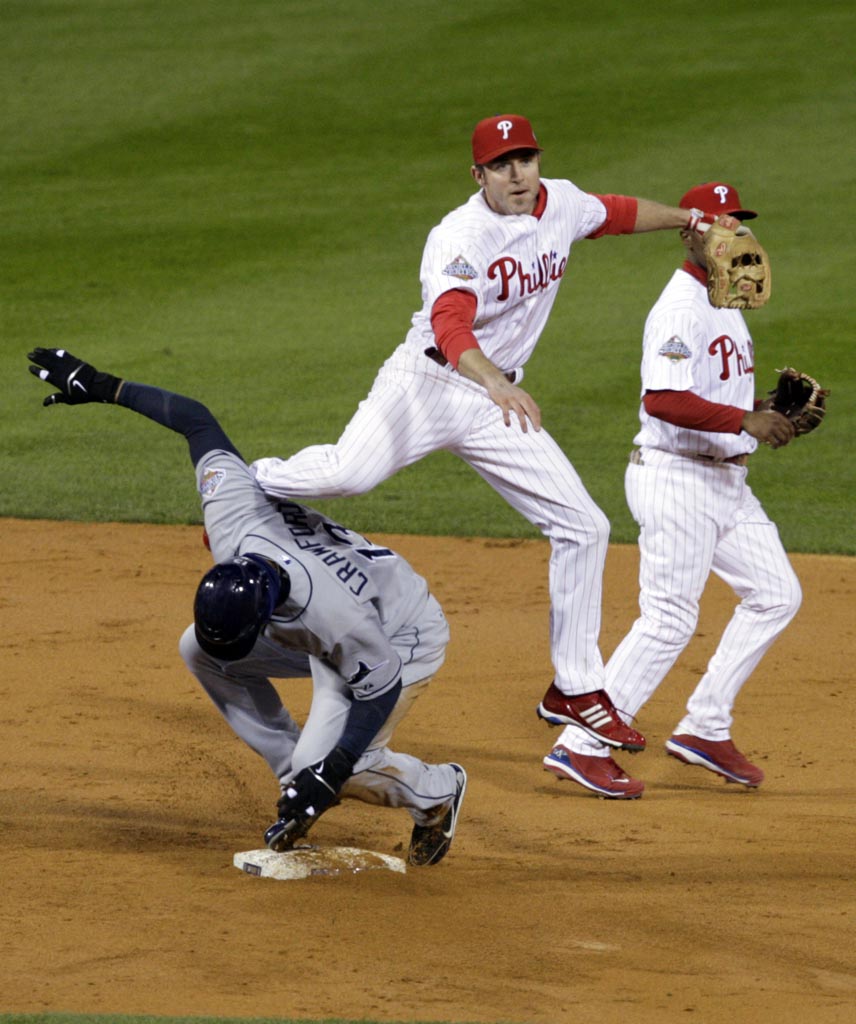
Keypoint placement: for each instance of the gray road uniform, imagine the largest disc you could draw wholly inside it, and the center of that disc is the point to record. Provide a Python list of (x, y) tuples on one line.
[(357, 619), (294, 594)]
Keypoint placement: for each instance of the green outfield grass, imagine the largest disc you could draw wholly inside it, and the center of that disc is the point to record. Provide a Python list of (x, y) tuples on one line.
[(230, 199)]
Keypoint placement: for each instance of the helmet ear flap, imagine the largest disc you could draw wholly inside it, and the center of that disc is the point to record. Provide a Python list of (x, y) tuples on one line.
[(278, 579)]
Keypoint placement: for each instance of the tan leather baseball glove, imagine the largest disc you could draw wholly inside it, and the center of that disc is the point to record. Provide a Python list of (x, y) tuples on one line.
[(738, 268)]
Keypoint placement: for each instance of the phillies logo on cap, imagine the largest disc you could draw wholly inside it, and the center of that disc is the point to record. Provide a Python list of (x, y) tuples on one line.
[(501, 134), (714, 198)]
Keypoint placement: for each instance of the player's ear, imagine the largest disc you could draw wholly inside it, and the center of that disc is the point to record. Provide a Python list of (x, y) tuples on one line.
[(477, 171)]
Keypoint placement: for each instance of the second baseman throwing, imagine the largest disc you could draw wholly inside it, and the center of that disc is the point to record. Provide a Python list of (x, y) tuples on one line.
[(490, 273)]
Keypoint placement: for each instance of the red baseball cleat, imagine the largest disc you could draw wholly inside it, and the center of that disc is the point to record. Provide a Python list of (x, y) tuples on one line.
[(599, 774), (720, 756), (594, 713)]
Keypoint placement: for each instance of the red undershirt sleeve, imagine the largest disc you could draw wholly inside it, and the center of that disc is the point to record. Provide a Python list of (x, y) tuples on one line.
[(620, 215), (685, 409), (452, 317)]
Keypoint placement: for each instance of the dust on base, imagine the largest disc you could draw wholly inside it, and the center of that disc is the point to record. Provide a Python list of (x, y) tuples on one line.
[(306, 861)]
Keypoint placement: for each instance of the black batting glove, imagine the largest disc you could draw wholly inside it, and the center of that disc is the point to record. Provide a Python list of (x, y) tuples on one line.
[(309, 794), (78, 382)]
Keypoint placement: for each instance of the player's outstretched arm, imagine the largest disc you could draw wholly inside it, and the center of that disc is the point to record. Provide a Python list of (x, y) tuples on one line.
[(79, 382), (653, 216)]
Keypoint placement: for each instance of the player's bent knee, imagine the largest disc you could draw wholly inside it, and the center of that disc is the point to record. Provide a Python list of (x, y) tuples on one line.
[(589, 529), (793, 605), (781, 602), (790, 600), (596, 526)]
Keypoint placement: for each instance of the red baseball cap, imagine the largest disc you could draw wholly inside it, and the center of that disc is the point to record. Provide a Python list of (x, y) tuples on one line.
[(501, 134), (714, 198)]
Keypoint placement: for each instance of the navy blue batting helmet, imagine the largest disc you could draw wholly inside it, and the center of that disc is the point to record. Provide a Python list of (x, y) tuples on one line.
[(234, 600)]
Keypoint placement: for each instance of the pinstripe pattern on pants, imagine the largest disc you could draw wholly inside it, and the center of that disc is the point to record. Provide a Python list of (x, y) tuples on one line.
[(696, 518), (416, 407)]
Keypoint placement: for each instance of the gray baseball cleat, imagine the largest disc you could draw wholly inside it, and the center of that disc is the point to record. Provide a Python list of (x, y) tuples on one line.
[(429, 844)]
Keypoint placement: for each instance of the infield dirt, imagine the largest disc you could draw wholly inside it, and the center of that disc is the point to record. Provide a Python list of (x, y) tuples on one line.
[(125, 796)]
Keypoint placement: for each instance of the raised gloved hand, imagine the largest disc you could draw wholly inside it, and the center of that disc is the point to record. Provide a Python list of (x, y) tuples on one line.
[(78, 382), (309, 794)]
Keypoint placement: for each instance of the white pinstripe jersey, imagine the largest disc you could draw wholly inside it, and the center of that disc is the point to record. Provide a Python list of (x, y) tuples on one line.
[(513, 264), (689, 345)]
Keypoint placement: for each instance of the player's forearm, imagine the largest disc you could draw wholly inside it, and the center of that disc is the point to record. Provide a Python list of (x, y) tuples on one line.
[(365, 720), (512, 400), (652, 216), (177, 412), (475, 365)]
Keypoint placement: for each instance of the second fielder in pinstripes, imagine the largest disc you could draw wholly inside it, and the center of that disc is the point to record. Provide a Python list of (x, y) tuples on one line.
[(686, 487)]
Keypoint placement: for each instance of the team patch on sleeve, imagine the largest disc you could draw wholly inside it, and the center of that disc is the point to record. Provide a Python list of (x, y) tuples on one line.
[(461, 269), (675, 350), (211, 480)]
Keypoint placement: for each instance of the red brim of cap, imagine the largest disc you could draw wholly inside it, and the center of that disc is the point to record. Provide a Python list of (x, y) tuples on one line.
[(485, 157), (710, 215), (709, 218)]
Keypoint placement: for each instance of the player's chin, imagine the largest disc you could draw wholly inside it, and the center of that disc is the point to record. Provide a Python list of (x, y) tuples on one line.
[(521, 202)]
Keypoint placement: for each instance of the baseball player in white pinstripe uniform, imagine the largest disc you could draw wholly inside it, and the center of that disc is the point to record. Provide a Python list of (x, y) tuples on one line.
[(490, 274), (686, 487)]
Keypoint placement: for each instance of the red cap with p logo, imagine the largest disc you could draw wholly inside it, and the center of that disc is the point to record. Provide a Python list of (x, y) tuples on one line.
[(501, 134), (714, 198)]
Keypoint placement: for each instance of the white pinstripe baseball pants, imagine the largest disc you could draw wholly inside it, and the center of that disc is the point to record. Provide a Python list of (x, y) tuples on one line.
[(416, 407), (696, 517)]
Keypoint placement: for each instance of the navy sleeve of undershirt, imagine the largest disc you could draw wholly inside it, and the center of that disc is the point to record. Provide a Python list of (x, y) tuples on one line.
[(364, 721), (183, 415)]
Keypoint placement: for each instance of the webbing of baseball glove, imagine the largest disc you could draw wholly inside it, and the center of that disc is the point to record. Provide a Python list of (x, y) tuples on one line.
[(799, 397)]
